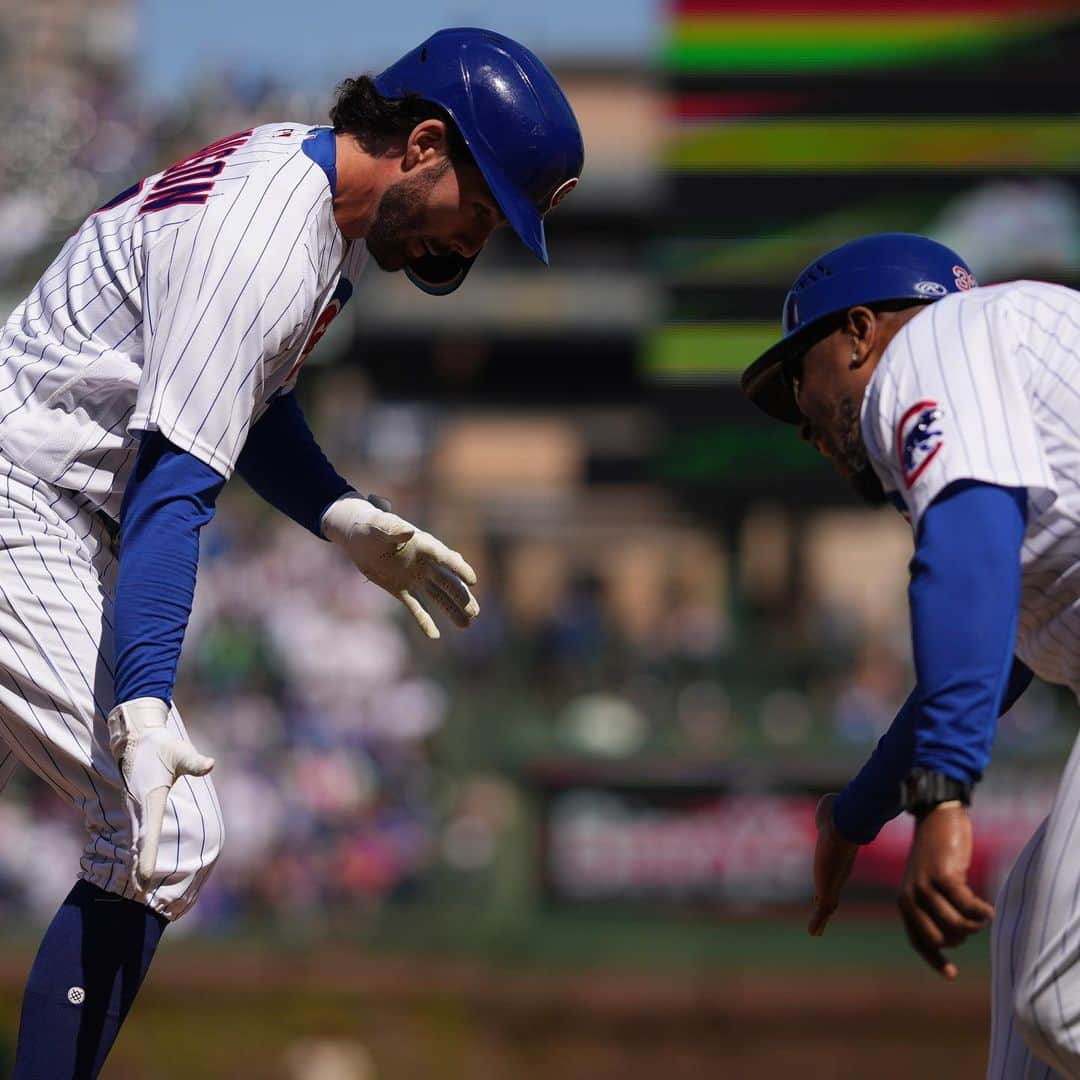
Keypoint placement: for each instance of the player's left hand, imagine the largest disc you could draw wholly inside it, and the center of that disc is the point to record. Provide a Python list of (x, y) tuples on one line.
[(939, 908), (405, 561)]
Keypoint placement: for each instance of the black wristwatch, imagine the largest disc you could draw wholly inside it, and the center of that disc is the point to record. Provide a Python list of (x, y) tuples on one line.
[(923, 789)]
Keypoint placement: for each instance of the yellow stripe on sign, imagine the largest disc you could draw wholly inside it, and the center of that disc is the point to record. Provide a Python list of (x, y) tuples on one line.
[(838, 31), (876, 143)]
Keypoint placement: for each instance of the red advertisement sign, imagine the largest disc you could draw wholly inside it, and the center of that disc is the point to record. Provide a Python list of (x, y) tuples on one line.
[(740, 850)]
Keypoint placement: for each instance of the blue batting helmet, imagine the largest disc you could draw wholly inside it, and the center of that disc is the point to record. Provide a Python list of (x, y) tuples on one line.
[(872, 269), (514, 119)]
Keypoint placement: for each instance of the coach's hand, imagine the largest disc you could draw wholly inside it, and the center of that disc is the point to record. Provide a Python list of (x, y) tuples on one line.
[(403, 560), (151, 760), (938, 906), (834, 857)]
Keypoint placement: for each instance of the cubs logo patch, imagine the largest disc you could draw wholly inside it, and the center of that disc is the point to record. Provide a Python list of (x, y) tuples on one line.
[(561, 192), (965, 279), (919, 438)]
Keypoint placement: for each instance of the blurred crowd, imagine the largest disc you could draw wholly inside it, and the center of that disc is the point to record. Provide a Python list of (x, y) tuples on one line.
[(72, 143), (358, 765), (361, 766)]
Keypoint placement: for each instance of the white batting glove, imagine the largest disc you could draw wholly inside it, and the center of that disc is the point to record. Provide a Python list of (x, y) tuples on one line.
[(151, 760), (403, 560)]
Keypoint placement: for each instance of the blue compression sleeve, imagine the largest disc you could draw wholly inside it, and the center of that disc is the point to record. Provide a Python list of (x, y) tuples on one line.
[(169, 497), (283, 463), (967, 560), (965, 600), (873, 797)]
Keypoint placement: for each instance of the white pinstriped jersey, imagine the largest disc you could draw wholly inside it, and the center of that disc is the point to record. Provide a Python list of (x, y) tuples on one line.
[(183, 306), (985, 385)]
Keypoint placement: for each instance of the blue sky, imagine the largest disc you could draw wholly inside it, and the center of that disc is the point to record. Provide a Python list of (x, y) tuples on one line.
[(313, 43)]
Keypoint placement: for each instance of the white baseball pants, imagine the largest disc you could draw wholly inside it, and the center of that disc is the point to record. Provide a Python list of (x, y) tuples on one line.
[(57, 579)]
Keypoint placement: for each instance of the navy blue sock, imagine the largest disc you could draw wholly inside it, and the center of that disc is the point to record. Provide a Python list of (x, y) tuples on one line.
[(86, 974)]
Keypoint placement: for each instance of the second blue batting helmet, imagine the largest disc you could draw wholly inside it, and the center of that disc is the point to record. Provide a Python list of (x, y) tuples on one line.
[(515, 120), (872, 269)]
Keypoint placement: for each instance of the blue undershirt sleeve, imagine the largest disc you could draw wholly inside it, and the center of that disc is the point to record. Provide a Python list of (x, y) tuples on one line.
[(967, 559), (284, 464), (169, 497)]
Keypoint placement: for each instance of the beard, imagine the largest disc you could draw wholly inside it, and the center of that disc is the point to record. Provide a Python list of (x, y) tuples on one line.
[(400, 217), (855, 459)]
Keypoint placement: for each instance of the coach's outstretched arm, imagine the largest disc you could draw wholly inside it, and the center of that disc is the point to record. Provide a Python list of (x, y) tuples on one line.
[(965, 599), (967, 560)]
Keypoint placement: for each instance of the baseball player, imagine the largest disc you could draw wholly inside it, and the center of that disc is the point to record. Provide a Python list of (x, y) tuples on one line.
[(959, 405), (157, 355)]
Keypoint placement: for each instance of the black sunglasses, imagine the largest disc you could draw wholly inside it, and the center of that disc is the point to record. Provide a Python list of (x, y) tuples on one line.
[(791, 368)]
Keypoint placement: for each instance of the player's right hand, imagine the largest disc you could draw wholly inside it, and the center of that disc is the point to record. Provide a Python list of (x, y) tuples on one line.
[(151, 760), (939, 907), (834, 857), (402, 559)]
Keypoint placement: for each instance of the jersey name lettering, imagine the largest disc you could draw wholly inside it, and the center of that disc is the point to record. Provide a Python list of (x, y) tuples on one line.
[(192, 180)]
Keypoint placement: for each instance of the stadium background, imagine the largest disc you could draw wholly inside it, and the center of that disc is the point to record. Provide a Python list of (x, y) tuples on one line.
[(577, 840)]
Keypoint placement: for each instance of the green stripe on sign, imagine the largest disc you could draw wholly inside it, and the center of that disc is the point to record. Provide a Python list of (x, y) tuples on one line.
[(732, 45), (705, 350), (736, 454), (876, 143)]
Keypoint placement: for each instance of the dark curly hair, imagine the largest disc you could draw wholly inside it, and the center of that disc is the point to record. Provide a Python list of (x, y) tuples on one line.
[(378, 122)]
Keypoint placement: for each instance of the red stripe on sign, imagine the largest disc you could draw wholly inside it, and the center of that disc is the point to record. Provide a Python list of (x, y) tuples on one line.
[(723, 106)]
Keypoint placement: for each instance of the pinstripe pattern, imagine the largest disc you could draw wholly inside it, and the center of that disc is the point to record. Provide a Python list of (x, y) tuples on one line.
[(57, 573), (1009, 1054), (1036, 949), (1003, 365), (185, 320), (8, 761)]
